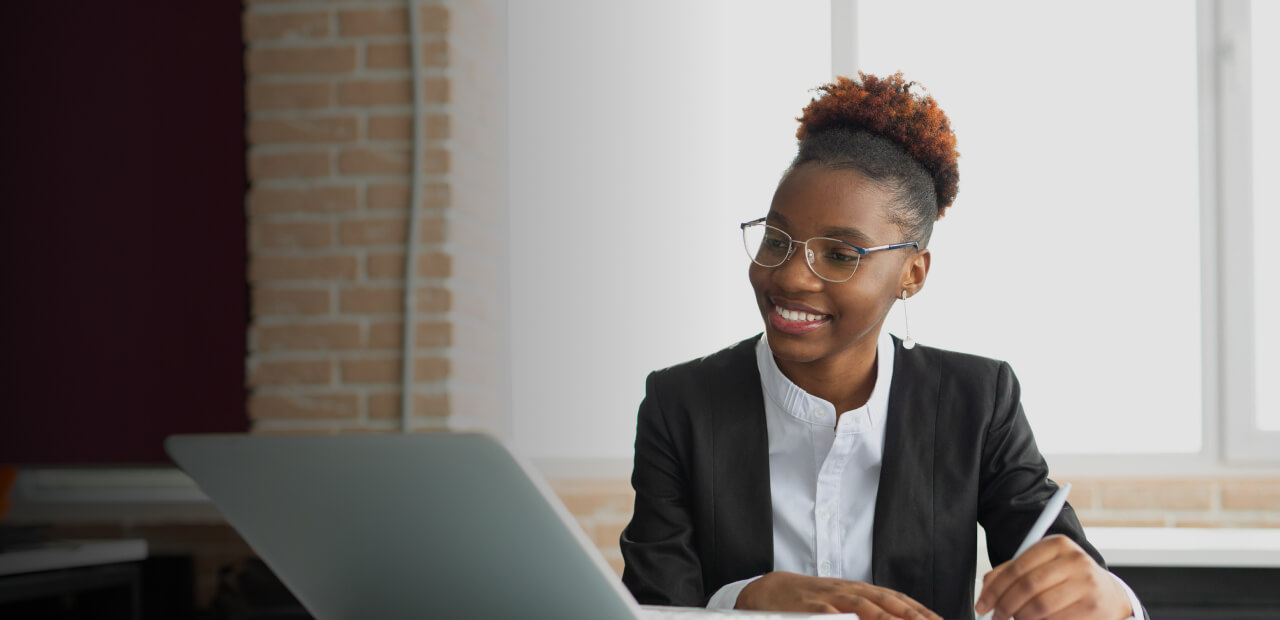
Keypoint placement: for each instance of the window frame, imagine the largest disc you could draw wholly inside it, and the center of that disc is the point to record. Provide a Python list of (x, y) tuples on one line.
[(1228, 27)]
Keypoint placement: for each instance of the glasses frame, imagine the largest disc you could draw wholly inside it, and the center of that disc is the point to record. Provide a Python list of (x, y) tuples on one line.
[(809, 254)]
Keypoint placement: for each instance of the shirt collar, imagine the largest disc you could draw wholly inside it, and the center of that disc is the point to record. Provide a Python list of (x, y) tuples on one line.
[(807, 408)]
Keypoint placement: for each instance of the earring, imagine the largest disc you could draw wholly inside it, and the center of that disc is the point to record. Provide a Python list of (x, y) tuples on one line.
[(907, 341)]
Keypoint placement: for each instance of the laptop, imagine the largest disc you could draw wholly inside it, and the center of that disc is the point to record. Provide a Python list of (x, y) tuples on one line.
[(436, 525)]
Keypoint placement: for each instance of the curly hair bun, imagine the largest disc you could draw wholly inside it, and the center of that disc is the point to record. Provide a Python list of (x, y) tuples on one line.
[(886, 107)]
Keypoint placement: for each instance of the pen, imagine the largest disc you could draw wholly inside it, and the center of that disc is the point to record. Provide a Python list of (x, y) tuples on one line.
[(1047, 517), (1038, 529)]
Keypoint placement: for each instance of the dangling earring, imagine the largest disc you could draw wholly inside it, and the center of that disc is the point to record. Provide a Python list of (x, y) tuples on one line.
[(907, 341)]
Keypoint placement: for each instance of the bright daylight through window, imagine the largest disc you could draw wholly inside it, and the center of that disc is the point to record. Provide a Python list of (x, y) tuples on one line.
[(1073, 249), (1265, 20)]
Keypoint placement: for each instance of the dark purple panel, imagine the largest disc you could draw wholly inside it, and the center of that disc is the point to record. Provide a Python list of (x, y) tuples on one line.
[(122, 230)]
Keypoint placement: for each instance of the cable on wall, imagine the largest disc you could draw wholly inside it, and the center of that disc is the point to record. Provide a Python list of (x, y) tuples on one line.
[(415, 200)]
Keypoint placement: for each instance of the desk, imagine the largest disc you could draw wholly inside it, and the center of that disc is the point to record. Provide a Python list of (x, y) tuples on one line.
[(75, 568), (1197, 573)]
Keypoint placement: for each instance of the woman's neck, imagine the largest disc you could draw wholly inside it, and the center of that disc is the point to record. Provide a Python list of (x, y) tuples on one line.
[(845, 380)]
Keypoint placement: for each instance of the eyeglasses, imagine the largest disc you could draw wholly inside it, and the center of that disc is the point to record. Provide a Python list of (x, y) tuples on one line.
[(832, 260)]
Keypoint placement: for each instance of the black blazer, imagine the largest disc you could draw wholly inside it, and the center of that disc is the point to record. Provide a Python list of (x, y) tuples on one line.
[(957, 451)]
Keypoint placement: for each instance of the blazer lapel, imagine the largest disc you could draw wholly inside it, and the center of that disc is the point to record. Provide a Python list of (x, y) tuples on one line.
[(903, 532), (740, 460)]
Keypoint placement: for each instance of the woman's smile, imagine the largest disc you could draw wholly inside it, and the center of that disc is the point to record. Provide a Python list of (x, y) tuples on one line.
[(795, 318)]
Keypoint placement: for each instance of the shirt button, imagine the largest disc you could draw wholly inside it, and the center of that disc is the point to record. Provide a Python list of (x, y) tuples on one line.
[(819, 413), (823, 514), (824, 569)]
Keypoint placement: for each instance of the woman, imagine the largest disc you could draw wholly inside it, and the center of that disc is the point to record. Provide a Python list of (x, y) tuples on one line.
[(825, 465)]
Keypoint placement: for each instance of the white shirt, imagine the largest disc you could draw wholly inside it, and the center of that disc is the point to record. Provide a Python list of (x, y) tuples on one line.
[(823, 475), (823, 483)]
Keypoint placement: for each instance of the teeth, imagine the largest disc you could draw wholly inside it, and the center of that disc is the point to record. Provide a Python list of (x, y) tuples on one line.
[(792, 315)]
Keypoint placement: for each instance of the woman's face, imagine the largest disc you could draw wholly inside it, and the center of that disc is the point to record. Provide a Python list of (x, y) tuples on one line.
[(815, 201)]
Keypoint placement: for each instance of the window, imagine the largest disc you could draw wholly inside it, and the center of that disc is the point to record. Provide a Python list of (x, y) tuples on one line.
[(1265, 18), (1168, 306), (1073, 249), (1246, 133)]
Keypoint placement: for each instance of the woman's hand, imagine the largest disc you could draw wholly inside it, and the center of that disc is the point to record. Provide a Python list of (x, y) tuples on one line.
[(1054, 579), (779, 591)]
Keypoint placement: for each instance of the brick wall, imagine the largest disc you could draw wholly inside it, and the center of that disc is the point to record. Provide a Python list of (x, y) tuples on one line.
[(329, 101), (602, 508), (1178, 502)]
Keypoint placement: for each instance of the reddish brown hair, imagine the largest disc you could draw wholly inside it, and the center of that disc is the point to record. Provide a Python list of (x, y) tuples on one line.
[(886, 107)]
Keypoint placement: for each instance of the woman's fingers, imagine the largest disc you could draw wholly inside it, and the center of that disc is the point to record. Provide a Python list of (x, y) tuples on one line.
[(1042, 604), (924, 612), (999, 580), (877, 603), (896, 603), (870, 606), (1055, 579), (1035, 582), (792, 592)]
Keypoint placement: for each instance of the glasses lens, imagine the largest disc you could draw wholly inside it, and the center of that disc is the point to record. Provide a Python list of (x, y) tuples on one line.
[(832, 260), (766, 245)]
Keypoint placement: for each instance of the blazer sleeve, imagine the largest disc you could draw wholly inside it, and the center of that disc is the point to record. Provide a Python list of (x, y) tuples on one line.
[(1015, 484), (658, 546)]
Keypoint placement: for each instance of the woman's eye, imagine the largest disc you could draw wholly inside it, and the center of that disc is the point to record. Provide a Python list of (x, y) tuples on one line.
[(842, 258), (774, 243)]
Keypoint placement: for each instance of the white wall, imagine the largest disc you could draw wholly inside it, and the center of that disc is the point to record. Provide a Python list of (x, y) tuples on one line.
[(641, 134)]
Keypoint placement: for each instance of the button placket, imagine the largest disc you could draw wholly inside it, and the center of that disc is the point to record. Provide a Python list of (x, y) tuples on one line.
[(826, 500)]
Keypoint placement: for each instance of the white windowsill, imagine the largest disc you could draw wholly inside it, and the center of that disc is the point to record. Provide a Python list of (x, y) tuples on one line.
[(1190, 547)]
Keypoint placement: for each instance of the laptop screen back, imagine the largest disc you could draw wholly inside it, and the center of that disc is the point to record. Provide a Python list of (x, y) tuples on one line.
[(439, 525)]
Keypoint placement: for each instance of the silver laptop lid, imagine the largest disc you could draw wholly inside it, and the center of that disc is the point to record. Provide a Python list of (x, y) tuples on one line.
[(439, 525)]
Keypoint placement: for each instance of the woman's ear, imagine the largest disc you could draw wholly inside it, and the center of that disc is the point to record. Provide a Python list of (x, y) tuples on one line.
[(914, 273)]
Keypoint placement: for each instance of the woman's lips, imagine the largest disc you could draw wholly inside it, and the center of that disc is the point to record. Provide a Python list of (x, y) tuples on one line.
[(797, 322)]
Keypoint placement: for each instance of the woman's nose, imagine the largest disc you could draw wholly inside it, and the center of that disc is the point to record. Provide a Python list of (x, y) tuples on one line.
[(795, 273)]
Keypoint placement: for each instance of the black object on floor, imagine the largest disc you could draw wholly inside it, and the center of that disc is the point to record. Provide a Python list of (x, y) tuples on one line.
[(251, 591), (1199, 592)]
